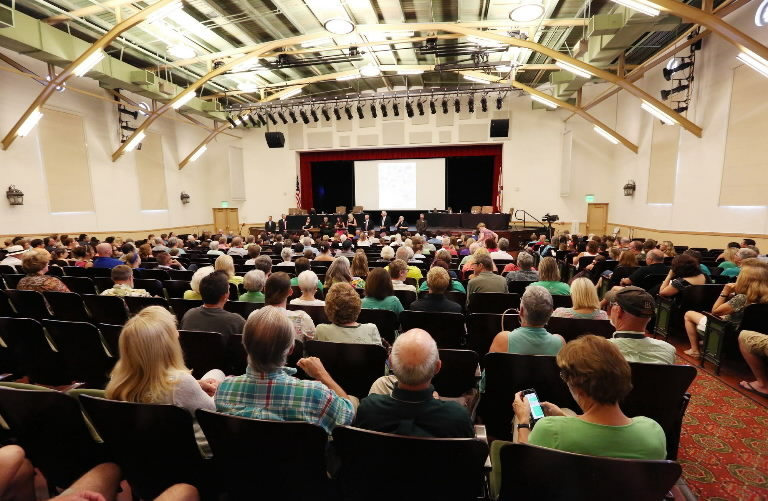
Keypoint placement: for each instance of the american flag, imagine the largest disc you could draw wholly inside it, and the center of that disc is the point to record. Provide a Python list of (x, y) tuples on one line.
[(500, 195), (298, 193)]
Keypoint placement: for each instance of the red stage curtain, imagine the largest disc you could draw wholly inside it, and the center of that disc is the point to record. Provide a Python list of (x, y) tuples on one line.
[(306, 159)]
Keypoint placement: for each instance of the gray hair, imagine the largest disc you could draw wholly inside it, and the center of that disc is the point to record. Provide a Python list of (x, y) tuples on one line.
[(418, 366), (158, 241), (654, 256), (524, 260), (214, 245), (503, 244), (173, 241), (387, 252), (536, 305), (267, 338), (286, 253), (237, 241), (306, 242), (253, 281), (745, 253), (200, 274), (404, 253), (307, 280)]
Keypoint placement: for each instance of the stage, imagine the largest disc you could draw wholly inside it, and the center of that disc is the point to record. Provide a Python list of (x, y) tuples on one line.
[(436, 221)]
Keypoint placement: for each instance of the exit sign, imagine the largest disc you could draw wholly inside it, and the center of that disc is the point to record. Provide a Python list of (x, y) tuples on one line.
[(225, 204), (589, 198)]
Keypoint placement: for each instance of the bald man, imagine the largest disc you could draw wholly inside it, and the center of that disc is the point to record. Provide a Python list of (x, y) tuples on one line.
[(104, 257), (412, 408)]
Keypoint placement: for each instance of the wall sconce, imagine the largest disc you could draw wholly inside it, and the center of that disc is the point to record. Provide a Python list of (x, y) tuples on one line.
[(15, 196), (185, 198), (629, 188)]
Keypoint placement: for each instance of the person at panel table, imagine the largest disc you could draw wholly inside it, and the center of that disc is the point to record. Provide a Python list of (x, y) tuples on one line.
[(351, 223), (385, 221), (341, 226), (307, 224), (270, 226), (421, 224), (367, 224), (325, 226), (401, 224), (282, 224)]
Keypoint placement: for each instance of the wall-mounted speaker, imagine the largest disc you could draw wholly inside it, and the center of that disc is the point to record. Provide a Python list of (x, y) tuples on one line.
[(275, 139), (500, 128)]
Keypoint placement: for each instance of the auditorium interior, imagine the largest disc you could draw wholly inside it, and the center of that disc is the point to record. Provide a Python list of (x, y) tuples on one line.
[(547, 132)]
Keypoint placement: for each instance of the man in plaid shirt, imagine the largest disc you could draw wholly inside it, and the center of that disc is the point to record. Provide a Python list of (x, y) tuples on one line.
[(269, 391)]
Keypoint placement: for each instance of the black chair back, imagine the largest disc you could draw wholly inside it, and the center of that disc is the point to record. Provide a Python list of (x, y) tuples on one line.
[(483, 327), (106, 309), (83, 351), (518, 286), (153, 444), (12, 279), (203, 351), (161, 275), (242, 308), (699, 297), (67, 306), (293, 469), (31, 350), (354, 367), (180, 275), (29, 304), (317, 313), (457, 374), (136, 304), (74, 271), (6, 308), (181, 306), (176, 288), (111, 335), (103, 283), (49, 426), (445, 468), (446, 328), (405, 297), (385, 320), (492, 302), (580, 477), (151, 285), (79, 284), (561, 301), (571, 328), (651, 283)]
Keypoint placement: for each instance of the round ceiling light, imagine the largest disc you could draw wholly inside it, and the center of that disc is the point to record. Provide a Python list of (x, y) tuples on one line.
[(370, 70), (181, 51), (339, 26), (527, 11)]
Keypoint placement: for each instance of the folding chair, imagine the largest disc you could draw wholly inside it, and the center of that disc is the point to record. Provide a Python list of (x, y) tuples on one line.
[(29, 345), (176, 288), (181, 306), (385, 320), (151, 285), (242, 308), (571, 328), (405, 297), (80, 285)]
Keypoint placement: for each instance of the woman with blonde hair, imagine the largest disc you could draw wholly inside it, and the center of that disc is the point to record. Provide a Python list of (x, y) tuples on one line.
[(339, 271), (194, 284), (359, 264), (226, 264), (667, 248), (729, 256), (549, 277), (585, 302), (35, 265)]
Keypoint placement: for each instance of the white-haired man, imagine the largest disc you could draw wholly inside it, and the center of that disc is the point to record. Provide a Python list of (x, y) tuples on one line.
[(411, 408), (237, 248)]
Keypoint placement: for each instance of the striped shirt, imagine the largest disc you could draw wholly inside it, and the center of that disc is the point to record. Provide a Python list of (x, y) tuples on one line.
[(278, 396)]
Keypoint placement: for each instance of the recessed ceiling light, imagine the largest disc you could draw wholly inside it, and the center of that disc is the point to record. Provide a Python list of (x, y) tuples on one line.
[(181, 51), (339, 26), (248, 87), (527, 11), (370, 70)]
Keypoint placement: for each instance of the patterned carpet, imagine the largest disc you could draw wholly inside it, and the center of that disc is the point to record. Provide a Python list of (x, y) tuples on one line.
[(724, 443)]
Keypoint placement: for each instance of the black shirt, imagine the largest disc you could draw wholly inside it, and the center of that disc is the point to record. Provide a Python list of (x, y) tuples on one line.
[(644, 271), (435, 302), (414, 413)]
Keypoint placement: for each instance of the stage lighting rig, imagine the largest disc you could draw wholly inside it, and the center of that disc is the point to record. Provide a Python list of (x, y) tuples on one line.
[(313, 112), (337, 112), (272, 118), (484, 103), (304, 116), (253, 120), (680, 88), (457, 104), (383, 108), (432, 106), (231, 121), (409, 109), (241, 118), (348, 111), (292, 115), (326, 115), (445, 105), (420, 107), (499, 102), (471, 103), (133, 114), (676, 66), (395, 109), (373, 109), (261, 118), (360, 111)]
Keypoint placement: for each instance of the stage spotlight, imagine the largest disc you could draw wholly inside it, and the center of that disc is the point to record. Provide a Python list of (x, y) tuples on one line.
[(127, 127), (409, 109), (281, 116), (373, 109), (337, 112), (326, 114), (395, 109), (360, 111), (262, 118), (304, 117), (272, 118), (499, 102), (292, 115), (420, 107), (253, 120), (243, 120), (666, 93), (313, 112), (232, 121), (134, 114), (457, 104), (445, 105), (670, 70), (348, 111), (471, 103), (383, 109), (432, 106), (484, 104)]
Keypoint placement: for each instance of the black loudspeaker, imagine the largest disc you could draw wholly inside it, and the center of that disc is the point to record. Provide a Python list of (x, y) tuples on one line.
[(500, 128), (275, 139)]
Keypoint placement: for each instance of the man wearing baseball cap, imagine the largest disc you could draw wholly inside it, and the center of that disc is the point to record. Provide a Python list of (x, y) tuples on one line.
[(630, 310), (13, 255)]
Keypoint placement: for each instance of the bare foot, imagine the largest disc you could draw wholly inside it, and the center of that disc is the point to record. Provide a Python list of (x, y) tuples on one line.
[(755, 386), (692, 353)]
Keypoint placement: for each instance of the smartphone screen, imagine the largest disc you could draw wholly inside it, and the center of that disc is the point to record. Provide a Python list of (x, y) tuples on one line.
[(536, 411)]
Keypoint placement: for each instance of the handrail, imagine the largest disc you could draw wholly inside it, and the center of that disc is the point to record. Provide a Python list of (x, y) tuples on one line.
[(524, 214)]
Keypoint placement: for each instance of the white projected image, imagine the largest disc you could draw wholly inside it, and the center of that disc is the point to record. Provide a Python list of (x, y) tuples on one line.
[(397, 185)]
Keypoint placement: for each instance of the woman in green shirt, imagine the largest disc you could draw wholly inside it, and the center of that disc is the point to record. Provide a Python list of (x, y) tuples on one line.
[(253, 283), (549, 278), (379, 293)]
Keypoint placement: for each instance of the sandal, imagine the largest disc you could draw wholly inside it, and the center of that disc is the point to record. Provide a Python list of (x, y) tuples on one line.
[(748, 386)]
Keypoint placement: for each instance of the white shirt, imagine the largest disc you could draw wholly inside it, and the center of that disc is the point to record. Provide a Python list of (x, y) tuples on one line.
[(11, 261)]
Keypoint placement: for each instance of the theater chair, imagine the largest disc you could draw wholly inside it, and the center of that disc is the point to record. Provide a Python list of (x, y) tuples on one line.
[(32, 351), (571, 328), (446, 328), (492, 302), (720, 336), (671, 309), (483, 327), (28, 304), (353, 366), (203, 351), (83, 351), (67, 306)]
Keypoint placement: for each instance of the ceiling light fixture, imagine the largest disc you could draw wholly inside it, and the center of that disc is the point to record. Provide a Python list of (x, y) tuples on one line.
[(603, 133), (471, 103), (383, 108), (339, 26), (409, 109), (360, 111), (484, 103), (261, 118), (292, 115), (88, 63), (573, 69), (252, 120), (29, 123), (673, 68), (761, 15), (166, 11), (647, 8), (326, 114), (370, 70), (248, 87), (395, 109), (247, 66), (420, 107), (544, 101), (281, 116), (337, 112), (313, 112), (181, 51), (373, 109), (658, 113), (198, 154), (755, 62), (499, 102), (348, 77), (272, 118), (304, 117), (410, 72), (184, 99), (136, 141), (315, 43), (527, 11), (482, 80), (680, 88), (432, 106), (444, 105), (484, 42), (457, 104), (291, 93), (348, 112), (233, 123), (504, 68)]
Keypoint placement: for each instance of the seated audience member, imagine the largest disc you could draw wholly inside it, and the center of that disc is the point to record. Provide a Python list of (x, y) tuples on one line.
[(145, 251), (227, 265), (35, 265), (342, 306), (531, 338), (592, 248), (82, 256), (308, 283), (667, 248), (549, 277), (599, 378), (286, 254), (467, 259), (151, 367), (469, 266), (685, 272), (525, 271), (277, 291), (237, 248), (307, 242), (214, 249), (503, 252), (454, 285), (253, 252), (438, 282), (166, 262), (323, 252), (17, 475), (363, 241), (268, 390), (263, 263), (159, 246), (398, 271), (122, 276), (406, 254), (483, 233), (379, 292), (741, 255), (626, 266), (494, 251), (346, 249), (728, 256), (485, 280), (223, 245), (339, 271), (411, 408), (750, 287), (698, 257), (211, 316), (13, 255), (754, 347), (387, 254), (59, 256), (194, 284), (647, 247), (359, 266), (253, 283), (104, 257), (654, 266), (301, 265), (631, 308), (585, 302)]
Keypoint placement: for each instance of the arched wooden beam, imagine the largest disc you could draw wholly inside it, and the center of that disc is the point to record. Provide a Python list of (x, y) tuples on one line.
[(67, 72), (449, 27), (215, 132)]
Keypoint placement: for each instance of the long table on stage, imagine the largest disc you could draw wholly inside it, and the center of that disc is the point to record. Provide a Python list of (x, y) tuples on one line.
[(441, 220)]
